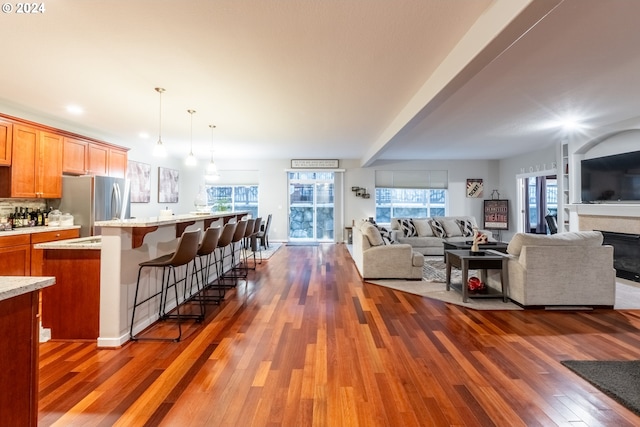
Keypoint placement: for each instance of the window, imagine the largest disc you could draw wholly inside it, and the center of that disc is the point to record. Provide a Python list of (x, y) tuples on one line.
[(311, 205), (410, 193), (224, 198), (551, 199), (409, 202)]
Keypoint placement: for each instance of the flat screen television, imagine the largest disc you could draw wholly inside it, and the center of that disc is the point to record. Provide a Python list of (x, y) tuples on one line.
[(611, 179)]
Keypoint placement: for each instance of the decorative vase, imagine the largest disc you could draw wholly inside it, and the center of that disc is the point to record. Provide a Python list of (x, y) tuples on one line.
[(200, 201)]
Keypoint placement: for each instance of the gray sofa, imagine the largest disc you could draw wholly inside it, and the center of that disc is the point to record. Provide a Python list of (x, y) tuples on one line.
[(424, 240), (376, 258), (565, 269)]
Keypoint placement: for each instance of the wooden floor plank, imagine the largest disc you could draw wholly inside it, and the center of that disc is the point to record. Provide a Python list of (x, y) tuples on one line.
[(305, 342)]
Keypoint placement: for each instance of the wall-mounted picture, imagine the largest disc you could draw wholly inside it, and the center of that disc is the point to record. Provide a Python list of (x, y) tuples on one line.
[(167, 185), (496, 214), (474, 187), (139, 176)]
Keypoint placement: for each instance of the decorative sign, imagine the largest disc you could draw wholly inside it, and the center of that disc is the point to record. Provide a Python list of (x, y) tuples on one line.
[(314, 163), (496, 214), (474, 187)]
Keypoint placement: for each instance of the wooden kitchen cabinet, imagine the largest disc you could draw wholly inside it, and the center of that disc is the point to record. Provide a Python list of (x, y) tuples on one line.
[(75, 156), (83, 157), (98, 160), (71, 308), (19, 329), (117, 163), (6, 136), (15, 255), (37, 255), (36, 164)]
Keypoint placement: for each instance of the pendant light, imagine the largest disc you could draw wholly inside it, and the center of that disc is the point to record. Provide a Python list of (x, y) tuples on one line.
[(212, 170), (191, 159), (159, 150)]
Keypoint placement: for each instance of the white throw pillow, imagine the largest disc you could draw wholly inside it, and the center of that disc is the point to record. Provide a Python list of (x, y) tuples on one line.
[(423, 228), (451, 227)]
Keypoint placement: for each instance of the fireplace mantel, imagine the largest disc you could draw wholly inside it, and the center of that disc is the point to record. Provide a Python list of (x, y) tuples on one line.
[(615, 217), (608, 209)]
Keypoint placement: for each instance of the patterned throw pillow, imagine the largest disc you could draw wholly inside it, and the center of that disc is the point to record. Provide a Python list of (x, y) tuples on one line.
[(386, 235), (408, 228), (466, 227), (437, 228)]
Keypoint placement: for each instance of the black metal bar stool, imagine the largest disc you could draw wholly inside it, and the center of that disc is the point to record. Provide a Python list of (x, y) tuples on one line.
[(185, 253)]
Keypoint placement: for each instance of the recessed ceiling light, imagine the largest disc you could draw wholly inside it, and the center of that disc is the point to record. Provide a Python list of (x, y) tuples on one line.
[(143, 135), (75, 109)]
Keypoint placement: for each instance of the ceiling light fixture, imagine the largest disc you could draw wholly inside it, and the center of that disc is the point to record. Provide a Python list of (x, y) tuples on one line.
[(212, 170), (191, 159), (159, 150)]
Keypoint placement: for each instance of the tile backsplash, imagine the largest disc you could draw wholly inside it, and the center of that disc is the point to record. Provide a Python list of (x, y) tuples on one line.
[(9, 205)]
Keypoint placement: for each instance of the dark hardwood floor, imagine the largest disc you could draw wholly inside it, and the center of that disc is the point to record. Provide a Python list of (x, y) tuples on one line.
[(305, 342)]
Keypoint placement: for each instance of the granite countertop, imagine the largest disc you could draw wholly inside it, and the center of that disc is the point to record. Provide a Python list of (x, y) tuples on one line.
[(165, 220), (12, 286), (33, 230), (91, 242)]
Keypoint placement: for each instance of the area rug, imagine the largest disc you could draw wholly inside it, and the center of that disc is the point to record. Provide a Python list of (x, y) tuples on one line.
[(434, 270), (437, 290), (268, 252), (619, 380)]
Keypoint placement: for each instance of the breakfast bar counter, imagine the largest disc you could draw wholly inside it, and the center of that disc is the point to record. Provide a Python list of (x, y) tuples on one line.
[(124, 245)]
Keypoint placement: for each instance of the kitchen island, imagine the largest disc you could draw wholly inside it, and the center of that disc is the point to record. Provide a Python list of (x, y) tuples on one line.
[(20, 332), (123, 245)]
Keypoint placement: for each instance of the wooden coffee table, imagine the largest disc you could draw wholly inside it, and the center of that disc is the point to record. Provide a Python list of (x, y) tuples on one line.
[(491, 260), (495, 246)]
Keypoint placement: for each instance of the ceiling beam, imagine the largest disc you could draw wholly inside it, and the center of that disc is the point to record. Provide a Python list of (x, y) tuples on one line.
[(503, 24)]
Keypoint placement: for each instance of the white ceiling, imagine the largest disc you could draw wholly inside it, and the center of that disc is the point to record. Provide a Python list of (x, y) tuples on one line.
[(353, 79)]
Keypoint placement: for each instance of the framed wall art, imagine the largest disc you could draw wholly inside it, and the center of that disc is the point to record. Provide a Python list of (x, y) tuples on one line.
[(167, 185), (139, 176), (474, 187)]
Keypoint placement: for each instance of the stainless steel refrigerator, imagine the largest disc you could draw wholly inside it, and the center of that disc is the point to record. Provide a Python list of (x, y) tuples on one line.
[(94, 198)]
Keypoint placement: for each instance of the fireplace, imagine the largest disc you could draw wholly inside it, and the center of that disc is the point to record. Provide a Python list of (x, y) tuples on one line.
[(626, 254)]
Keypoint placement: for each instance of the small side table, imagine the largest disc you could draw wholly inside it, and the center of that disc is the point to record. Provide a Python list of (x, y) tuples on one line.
[(349, 231), (491, 260)]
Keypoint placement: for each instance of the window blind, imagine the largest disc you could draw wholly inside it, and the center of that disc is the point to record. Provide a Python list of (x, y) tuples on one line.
[(434, 180)]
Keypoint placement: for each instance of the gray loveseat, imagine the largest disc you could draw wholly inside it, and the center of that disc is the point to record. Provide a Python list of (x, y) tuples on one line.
[(376, 258), (565, 269), (424, 236)]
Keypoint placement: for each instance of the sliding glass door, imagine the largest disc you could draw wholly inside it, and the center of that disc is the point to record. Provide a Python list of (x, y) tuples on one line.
[(311, 206)]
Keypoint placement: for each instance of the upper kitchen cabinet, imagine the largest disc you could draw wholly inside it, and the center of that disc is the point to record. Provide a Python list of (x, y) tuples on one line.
[(83, 157), (98, 159), (117, 163), (36, 164), (75, 156), (6, 136)]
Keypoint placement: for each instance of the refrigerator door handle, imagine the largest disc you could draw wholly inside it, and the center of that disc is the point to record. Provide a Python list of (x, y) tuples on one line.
[(116, 200)]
